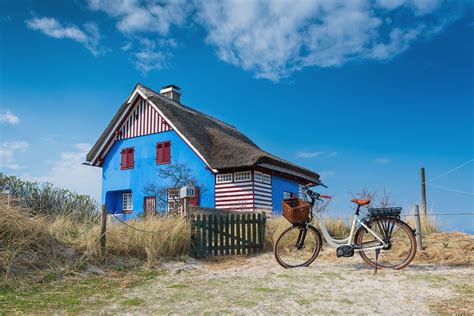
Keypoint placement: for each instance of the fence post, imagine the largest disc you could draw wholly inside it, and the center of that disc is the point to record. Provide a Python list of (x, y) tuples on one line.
[(419, 241), (423, 193), (103, 230)]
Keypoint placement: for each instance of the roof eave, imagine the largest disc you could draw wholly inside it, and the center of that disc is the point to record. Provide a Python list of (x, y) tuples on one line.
[(290, 172)]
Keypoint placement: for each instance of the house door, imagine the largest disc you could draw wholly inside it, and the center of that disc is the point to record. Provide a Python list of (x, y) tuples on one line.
[(149, 205)]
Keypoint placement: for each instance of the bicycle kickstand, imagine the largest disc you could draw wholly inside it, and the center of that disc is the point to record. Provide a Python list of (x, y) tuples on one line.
[(377, 251)]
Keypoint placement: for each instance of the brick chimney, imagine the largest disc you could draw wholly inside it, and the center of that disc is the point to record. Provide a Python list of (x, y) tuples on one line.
[(171, 91)]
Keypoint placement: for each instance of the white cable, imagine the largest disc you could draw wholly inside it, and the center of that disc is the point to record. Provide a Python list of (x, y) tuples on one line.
[(448, 189), (452, 170)]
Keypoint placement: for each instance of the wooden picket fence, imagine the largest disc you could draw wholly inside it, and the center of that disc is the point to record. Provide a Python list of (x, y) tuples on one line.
[(229, 234)]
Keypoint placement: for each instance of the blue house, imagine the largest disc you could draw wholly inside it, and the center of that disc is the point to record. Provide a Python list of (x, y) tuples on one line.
[(153, 131)]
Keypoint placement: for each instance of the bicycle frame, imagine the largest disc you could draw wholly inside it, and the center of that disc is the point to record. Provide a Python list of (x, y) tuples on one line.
[(335, 242)]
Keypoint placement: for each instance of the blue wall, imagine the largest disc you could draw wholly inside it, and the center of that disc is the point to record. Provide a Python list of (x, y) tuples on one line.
[(279, 186), (146, 171)]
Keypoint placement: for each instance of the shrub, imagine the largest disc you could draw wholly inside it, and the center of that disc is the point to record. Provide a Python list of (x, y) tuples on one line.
[(45, 199)]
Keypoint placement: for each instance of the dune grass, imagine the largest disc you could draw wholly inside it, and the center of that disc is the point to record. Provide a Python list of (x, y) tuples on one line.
[(30, 244), (61, 244)]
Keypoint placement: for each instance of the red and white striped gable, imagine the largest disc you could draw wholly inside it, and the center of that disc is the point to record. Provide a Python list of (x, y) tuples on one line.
[(243, 191), (142, 120)]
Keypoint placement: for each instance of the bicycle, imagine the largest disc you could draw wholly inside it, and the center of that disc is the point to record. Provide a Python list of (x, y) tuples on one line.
[(381, 238)]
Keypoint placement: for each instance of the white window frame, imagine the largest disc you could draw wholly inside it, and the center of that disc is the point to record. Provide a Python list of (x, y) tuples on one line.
[(258, 176), (127, 201), (267, 178), (224, 178), (287, 195), (174, 200), (242, 176)]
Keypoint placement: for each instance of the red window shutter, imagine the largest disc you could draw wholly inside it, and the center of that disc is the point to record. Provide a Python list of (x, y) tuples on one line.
[(127, 158), (123, 160), (195, 200), (163, 152), (159, 152), (167, 152), (130, 158)]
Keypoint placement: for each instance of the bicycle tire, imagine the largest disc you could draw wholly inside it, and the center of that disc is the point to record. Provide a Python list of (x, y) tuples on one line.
[(361, 232), (314, 255)]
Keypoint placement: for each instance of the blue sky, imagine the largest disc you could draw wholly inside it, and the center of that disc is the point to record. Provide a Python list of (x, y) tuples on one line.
[(363, 92)]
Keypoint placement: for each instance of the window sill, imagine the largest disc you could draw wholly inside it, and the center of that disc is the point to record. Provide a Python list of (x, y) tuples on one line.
[(127, 211), (126, 168), (163, 163)]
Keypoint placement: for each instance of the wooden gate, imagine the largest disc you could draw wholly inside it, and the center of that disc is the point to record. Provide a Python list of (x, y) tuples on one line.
[(229, 234)]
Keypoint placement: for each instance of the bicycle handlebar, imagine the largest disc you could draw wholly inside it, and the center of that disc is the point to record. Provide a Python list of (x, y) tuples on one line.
[(315, 195)]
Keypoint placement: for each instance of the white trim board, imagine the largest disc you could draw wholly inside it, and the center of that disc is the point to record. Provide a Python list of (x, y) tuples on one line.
[(284, 170), (130, 102)]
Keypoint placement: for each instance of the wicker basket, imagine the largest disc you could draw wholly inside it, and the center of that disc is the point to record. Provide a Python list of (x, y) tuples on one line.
[(295, 210)]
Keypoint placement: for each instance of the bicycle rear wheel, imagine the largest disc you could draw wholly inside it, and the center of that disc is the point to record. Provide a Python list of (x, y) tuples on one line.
[(297, 246), (400, 240)]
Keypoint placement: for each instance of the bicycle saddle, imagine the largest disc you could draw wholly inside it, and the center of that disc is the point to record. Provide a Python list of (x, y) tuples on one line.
[(361, 202)]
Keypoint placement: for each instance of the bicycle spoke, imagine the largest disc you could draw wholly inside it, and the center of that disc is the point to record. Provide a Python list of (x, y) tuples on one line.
[(399, 248), (297, 247)]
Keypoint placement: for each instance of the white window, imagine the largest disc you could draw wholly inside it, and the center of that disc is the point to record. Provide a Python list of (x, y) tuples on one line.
[(300, 191), (267, 178), (287, 195), (224, 178), (127, 204), (174, 201), (258, 176), (242, 176)]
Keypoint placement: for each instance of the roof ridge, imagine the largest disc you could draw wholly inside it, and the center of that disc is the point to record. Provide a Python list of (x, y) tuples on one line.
[(186, 107)]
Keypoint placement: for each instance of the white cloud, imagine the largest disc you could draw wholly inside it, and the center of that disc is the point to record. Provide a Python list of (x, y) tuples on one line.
[(314, 154), (7, 154), (275, 38), (147, 58), (89, 36), (382, 161), (309, 154), (9, 118), (144, 16), (69, 173), (126, 47)]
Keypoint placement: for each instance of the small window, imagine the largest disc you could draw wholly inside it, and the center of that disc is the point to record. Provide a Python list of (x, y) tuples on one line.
[(163, 152), (287, 195), (242, 176), (224, 178), (127, 158), (174, 202), (267, 178), (258, 176), (127, 204)]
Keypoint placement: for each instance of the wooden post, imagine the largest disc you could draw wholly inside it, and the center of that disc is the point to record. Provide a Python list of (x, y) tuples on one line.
[(419, 241), (103, 230), (423, 192)]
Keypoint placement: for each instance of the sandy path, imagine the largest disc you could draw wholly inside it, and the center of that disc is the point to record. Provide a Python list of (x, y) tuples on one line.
[(258, 285)]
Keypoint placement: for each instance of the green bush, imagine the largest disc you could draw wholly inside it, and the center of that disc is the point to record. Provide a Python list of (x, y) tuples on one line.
[(46, 199)]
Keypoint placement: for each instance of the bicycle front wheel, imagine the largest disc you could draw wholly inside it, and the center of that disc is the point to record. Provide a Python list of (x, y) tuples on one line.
[(297, 246), (400, 240)]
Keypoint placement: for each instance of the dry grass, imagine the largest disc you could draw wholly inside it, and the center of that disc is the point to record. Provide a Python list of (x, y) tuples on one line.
[(26, 244), (33, 244), (29, 244), (454, 248), (153, 238), (146, 239)]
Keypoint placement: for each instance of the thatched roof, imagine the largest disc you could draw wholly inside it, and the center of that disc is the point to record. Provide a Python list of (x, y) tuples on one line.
[(221, 144)]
